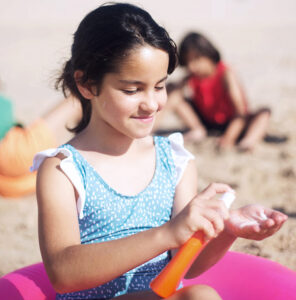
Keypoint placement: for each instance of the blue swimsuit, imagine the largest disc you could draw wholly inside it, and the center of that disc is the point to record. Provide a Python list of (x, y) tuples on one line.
[(105, 214)]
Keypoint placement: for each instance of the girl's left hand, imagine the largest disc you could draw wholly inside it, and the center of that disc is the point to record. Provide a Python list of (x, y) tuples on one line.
[(254, 222)]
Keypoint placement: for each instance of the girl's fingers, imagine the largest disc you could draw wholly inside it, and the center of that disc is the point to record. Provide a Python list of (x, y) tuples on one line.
[(221, 208), (271, 213), (278, 217), (216, 220), (208, 228), (215, 188), (256, 222), (266, 229), (254, 228), (267, 223), (275, 219), (214, 204)]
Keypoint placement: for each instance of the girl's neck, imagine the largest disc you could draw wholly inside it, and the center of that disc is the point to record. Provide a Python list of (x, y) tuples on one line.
[(109, 142)]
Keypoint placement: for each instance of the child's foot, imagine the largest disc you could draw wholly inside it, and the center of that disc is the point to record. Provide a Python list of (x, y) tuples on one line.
[(224, 145), (245, 147), (195, 135)]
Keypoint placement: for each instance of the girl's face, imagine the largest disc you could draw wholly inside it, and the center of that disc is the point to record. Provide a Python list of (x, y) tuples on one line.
[(129, 100), (200, 66)]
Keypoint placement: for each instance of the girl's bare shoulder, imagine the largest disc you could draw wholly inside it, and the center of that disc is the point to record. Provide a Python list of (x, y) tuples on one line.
[(50, 176)]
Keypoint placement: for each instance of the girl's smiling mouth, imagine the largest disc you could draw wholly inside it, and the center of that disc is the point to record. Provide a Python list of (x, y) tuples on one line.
[(144, 118)]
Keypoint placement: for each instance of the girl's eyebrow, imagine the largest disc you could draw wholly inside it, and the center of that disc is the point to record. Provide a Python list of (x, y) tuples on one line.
[(140, 82)]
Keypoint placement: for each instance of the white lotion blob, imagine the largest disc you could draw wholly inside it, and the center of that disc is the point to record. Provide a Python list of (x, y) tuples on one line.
[(227, 198), (262, 217)]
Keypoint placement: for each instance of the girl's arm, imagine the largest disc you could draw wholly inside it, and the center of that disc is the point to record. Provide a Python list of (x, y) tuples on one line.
[(253, 222), (186, 189), (205, 213), (215, 249), (70, 265), (211, 253)]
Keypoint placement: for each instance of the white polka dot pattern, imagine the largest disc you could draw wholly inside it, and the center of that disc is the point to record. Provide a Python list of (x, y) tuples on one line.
[(109, 215)]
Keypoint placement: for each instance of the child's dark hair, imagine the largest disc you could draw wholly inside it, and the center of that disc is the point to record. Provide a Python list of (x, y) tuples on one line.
[(199, 44), (104, 37)]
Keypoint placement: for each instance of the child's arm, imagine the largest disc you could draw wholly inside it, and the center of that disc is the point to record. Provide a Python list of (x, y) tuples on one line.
[(70, 265), (251, 222), (212, 217), (235, 92), (238, 123), (210, 212), (178, 105), (176, 102)]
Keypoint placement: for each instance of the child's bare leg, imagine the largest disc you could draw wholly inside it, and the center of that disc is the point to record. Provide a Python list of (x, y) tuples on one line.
[(256, 130), (232, 133), (197, 131), (173, 99), (176, 104), (194, 292), (184, 111)]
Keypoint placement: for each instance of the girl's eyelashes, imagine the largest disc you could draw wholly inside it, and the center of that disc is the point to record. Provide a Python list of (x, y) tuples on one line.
[(159, 88), (132, 92)]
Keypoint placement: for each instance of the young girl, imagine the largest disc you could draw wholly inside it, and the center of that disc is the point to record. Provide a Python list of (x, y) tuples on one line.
[(211, 98), (114, 200)]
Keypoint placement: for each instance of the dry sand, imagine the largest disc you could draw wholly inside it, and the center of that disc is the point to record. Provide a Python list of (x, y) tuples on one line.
[(257, 39)]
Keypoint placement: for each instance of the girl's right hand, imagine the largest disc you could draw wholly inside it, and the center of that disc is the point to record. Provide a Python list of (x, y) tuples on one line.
[(204, 212)]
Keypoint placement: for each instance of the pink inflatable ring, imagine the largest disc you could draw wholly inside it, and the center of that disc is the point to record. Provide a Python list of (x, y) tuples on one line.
[(237, 276)]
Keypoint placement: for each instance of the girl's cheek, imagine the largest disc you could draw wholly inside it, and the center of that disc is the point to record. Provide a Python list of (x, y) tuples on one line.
[(162, 101)]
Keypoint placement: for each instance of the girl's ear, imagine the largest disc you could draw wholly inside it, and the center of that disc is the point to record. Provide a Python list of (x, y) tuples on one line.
[(85, 89)]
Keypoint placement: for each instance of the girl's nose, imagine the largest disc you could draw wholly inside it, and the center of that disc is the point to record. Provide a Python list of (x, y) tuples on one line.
[(150, 103), (192, 67)]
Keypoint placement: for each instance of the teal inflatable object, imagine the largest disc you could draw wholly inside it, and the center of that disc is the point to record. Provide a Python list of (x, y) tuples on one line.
[(6, 116)]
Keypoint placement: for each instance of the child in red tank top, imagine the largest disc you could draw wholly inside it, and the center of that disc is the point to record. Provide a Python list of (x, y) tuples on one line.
[(211, 98)]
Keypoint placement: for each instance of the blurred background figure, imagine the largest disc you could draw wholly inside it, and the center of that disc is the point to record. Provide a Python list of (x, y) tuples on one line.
[(19, 144), (6, 115), (210, 99)]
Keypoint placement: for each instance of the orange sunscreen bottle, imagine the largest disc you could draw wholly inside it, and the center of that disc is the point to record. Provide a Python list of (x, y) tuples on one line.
[(167, 282)]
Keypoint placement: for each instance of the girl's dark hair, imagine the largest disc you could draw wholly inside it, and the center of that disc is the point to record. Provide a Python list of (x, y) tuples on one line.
[(104, 37), (199, 44)]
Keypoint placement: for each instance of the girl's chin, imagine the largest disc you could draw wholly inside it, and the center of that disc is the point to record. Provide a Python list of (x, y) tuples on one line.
[(142, 134)]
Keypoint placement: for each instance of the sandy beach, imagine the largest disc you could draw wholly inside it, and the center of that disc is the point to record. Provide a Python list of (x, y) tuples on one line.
[(256, 39)]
